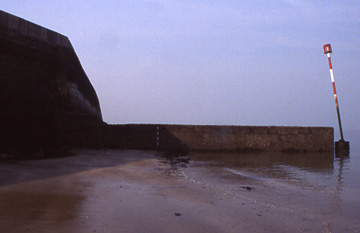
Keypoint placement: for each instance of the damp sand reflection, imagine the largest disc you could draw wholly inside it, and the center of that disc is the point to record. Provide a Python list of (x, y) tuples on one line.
[(149, 191), (301, 183)]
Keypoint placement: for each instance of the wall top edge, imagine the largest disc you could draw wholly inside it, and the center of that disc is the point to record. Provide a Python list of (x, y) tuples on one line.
[(236, 126), (17, 27)]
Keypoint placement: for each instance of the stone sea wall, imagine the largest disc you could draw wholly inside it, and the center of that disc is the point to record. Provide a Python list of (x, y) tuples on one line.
[(219, 138), (44, 90)]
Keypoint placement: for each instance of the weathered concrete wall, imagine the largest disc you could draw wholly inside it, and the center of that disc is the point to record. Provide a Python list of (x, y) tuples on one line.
[(217, 138), (45, 93)]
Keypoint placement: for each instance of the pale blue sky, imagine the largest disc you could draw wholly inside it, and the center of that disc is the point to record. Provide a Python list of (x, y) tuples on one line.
[(212, 62)]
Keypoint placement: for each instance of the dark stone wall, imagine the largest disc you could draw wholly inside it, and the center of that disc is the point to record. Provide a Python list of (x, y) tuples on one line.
[(140, 136), (220, 138), (46, 97)]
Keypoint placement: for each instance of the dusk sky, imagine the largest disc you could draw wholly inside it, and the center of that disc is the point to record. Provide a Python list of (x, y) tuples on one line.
[(212, 62)]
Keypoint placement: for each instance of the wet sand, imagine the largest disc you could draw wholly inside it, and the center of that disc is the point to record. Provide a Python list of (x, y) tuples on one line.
[(140, 191)]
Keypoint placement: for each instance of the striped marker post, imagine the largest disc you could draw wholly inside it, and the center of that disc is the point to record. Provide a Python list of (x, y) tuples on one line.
[(342, 142)]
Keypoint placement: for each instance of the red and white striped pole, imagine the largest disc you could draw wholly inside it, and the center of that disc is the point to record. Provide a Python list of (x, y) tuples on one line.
[(327, 50)]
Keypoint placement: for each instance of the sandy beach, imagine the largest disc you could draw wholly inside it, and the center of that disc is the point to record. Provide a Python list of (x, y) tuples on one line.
[(141, 191)]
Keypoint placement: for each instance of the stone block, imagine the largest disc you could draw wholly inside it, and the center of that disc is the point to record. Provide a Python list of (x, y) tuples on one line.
[(24, 27), (52, 37), (43, 34), (3, 19), (34, 31), (13, 23), (63, 41)]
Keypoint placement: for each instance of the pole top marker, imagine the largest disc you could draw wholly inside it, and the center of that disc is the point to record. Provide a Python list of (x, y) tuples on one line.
[(327, 48)]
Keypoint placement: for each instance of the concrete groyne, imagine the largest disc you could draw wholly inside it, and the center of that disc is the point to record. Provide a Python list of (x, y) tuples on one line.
[(219, 138)]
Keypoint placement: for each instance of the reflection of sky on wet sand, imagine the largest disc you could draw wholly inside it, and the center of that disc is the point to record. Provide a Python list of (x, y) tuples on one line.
[(315, 191), (315, 183), (316, 161), (304, 169)]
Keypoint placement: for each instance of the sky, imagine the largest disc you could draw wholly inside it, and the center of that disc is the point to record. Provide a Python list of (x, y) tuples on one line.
[(210, 62)]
